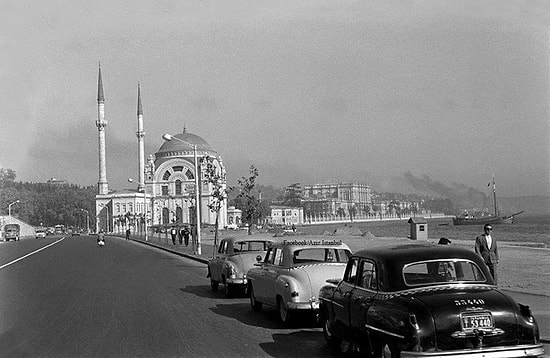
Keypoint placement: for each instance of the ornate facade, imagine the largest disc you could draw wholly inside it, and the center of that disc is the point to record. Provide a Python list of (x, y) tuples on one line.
[(166, 193)]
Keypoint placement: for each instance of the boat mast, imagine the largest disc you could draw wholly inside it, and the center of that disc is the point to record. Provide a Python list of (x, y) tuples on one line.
[(494, 196)]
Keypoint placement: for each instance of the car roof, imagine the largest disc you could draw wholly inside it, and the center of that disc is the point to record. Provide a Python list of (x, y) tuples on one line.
[(403, 253), (294, 244), (246, 239)]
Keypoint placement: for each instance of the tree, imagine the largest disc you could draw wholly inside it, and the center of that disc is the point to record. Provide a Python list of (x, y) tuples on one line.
[(217, 179), (293, 195), (6, 176), (246, 201)]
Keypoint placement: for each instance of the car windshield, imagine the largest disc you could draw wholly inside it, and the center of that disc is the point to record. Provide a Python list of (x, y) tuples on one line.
[(242, 246), (438, 271), (316, 255)]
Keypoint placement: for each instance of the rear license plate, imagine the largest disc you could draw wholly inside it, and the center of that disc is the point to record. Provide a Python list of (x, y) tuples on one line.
[(477, 320)]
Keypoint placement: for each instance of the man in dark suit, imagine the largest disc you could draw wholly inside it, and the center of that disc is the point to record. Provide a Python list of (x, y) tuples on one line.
[(486, 247)]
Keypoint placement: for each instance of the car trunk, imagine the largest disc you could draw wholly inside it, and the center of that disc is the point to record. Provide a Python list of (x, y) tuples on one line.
[(317, 276), (473, 319)]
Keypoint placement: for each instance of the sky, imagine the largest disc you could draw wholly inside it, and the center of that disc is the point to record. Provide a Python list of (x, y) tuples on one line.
[(307, 91)]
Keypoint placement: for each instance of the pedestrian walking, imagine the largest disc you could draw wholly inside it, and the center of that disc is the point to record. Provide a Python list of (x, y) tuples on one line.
[(186, 234), (128, 234), (180, 235), (174, 234), (486, 247)]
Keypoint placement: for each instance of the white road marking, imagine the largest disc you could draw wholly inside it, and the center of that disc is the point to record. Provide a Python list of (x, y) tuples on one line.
[(32, 253)]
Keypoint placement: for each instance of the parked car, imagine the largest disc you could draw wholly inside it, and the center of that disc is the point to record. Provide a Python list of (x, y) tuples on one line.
[(12, 232), (425, 300), (40, 233), (292, 273), (234, 258)]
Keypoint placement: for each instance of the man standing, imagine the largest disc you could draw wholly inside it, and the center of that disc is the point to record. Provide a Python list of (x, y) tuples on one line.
[(486, 247), (174, 234)]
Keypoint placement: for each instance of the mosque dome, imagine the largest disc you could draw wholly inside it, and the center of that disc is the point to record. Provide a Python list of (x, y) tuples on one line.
[(174, 148), (175, 145)]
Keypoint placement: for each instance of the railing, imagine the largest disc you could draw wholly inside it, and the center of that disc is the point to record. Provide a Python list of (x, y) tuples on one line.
[(335, 219)]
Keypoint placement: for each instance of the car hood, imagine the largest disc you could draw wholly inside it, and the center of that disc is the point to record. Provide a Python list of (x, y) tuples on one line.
[(447, 306), (316, 275)]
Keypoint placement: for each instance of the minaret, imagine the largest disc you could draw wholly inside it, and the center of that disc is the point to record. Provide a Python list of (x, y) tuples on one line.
[(101, 123), (141, 147)]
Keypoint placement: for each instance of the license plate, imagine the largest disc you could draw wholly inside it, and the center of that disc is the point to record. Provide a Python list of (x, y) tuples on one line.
[(477, 320)]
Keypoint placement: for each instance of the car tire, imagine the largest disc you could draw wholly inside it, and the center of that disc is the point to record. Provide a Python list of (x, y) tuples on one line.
[(384, 350), (229, 290), (331, 340), (256, 305), (214, 284), (285, 314)]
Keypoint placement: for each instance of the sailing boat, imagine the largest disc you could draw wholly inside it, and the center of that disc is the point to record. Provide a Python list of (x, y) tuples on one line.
[(492, 219)]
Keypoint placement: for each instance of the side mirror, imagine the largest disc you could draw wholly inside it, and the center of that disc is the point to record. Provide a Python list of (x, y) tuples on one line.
[(333, 281)]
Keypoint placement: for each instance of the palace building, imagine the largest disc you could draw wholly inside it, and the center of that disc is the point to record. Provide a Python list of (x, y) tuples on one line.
[(166, 186)]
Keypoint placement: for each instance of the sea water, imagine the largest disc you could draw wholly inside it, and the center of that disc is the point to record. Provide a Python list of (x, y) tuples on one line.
[(526, 229)]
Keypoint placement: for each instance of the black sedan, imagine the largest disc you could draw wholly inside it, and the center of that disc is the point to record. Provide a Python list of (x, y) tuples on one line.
[(425, 300)]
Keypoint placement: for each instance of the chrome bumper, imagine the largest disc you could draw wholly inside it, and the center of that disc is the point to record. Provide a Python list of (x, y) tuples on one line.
[(531, 350)]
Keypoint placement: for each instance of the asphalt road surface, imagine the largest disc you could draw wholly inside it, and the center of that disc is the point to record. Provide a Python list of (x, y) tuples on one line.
[(69, 298), (74, 299)]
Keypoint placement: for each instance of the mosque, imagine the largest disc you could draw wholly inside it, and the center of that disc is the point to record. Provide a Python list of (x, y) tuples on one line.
[(166, 187)]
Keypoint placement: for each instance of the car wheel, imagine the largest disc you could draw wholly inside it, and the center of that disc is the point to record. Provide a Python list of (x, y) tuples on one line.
[(214, 284), (256, 305), (284, 312), (330, 339), (385, 351), (229, 290)]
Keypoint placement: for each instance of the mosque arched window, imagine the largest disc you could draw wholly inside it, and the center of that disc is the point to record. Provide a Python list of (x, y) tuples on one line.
[(178, 168), (166, 175), (178, 187), (189, 174)]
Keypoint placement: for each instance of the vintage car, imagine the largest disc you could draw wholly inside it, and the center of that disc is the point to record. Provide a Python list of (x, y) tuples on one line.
[(234, 258), (425, 300), (40, 233), (293, 272)]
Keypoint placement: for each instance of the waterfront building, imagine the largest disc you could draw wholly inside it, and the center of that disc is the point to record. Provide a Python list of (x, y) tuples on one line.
[(165, 193), (285, 215), (337, 199)]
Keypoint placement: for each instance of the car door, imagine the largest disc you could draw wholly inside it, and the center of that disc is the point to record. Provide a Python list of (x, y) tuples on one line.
[(217, 262), (363, 296), (272, 272), (261, 277), (341, 297)]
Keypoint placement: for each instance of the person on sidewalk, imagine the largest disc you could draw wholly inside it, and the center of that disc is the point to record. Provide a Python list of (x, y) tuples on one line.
[(186, 234), (180, 235), (174, 234), (486, 247), (128, 234)]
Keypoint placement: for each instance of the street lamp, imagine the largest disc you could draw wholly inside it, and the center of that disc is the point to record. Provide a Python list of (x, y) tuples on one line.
[(9, 207), (87, 220), (170, 137), (144, 207)]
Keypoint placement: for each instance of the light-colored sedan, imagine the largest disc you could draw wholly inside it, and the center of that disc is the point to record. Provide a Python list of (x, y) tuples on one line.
[(293, 272), (234, 258)]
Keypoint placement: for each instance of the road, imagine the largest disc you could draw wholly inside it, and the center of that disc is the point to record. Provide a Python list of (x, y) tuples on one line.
[(74, 299)]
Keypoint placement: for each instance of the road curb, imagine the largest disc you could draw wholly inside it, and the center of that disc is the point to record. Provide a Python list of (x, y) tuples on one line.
[(192, 257)]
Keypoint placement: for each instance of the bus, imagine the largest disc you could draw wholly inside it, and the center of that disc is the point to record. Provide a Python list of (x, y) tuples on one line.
[(59, 229)]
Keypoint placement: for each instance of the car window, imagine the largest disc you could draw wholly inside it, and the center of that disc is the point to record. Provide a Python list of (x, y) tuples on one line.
[(316, 255), (438, 271), (243, 246), (223, 247), (273, 256), (351, 271), (367, 276)]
